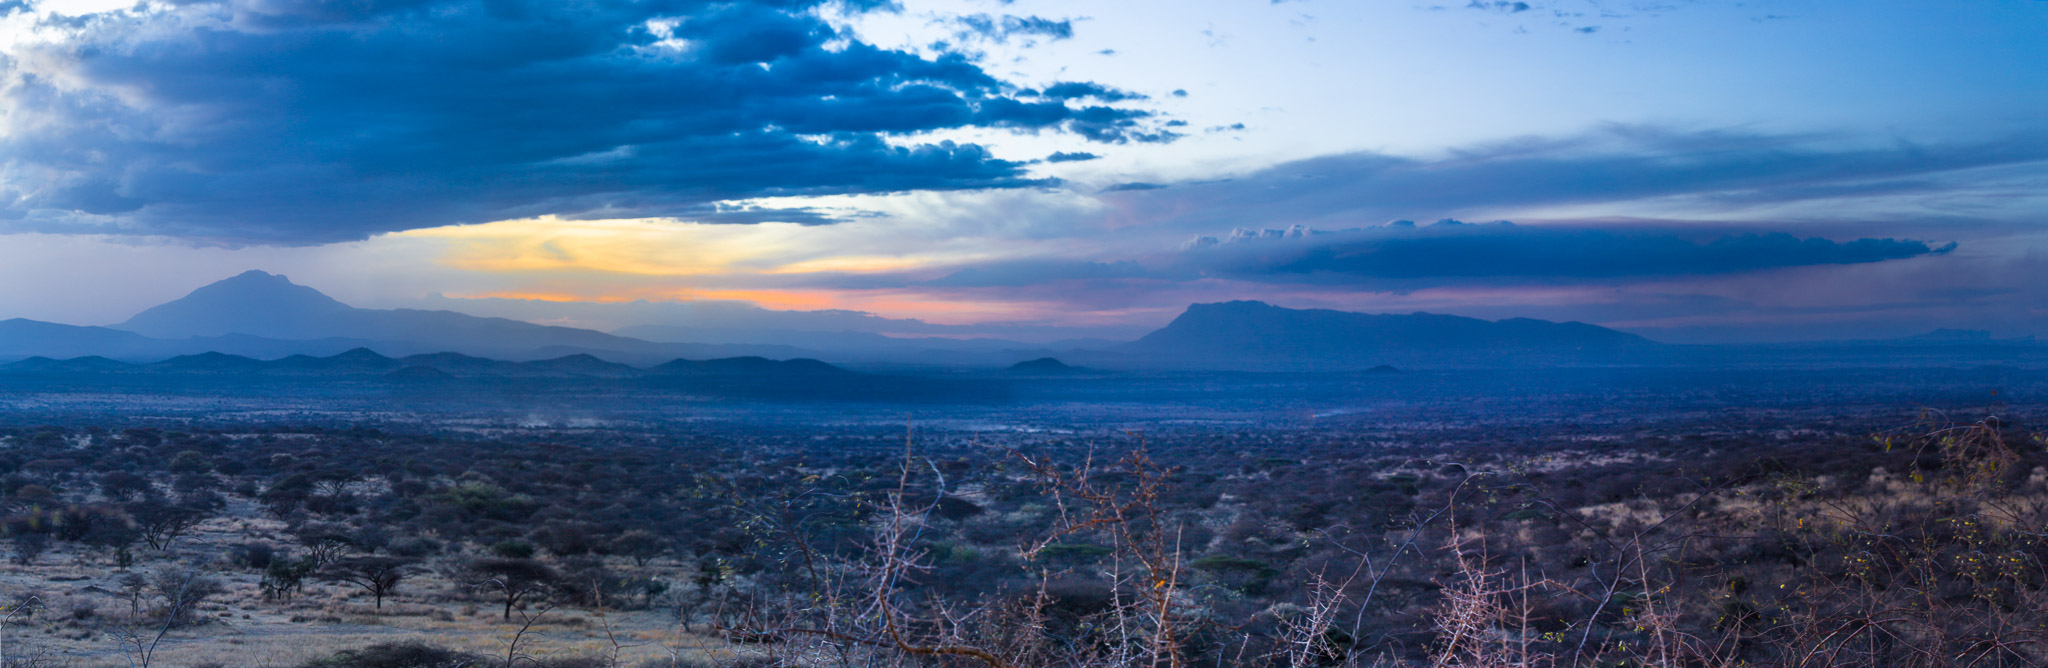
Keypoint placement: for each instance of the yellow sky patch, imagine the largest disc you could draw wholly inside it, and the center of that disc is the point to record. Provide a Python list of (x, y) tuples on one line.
[(773, 299), (548, 259), (650, 247), (642, 247)]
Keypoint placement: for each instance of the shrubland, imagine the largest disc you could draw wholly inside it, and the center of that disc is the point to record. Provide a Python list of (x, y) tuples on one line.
[(1890, 541)]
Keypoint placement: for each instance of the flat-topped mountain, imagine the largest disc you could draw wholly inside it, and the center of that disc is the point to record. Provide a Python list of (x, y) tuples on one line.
[(1255, 334), (1044, 366)]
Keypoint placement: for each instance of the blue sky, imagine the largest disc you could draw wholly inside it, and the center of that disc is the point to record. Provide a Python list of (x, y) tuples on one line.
[(1691, 170)]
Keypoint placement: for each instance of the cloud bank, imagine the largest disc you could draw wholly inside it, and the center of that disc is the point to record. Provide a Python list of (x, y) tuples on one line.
[(302, 122), (1404, 256), (1451, 252), (1711, 172)]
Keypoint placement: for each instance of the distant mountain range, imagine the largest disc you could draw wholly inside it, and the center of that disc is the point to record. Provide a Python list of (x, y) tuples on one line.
[(859, 345), (454, 379), (262, 315), (364, 363), (256, 314), (269, 306), (726, 321), (238, 323)]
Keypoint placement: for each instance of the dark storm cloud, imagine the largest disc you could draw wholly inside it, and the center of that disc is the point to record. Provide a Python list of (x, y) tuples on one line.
[(271, 121), (1619, 164), (1403, 256), (1503, 253)]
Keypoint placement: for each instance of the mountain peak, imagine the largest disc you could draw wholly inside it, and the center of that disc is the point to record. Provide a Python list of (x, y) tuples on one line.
[(255, 275), (259, 281), (359, 355), (256, 281), (263, 305), (253, 302)]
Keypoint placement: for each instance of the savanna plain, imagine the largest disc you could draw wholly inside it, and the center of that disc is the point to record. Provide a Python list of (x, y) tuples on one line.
[(1882, 519)]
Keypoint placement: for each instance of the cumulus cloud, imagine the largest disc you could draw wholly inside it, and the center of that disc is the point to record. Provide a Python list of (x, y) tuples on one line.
[(1502, 6), (1006, 27), (1450, 251), (295, 122), (1080, 90)]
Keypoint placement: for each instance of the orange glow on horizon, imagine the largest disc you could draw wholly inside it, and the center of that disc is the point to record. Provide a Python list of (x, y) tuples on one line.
[(656, 247), (850, 265), (770, 299), (617, 261), (936, 310)]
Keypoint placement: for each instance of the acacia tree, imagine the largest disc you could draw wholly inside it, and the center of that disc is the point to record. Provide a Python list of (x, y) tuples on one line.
[(519, 579), (641, 545), (284, 577), (324, 541), (161, 521), (377, 575), (183, 590)]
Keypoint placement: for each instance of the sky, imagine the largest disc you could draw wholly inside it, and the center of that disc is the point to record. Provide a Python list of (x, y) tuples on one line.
[(1691, 170)]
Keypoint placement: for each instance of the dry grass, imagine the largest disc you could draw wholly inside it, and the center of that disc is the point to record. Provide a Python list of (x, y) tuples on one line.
[(244, 629)]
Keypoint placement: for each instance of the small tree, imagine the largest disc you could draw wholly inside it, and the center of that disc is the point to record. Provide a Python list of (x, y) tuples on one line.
[(135, 588), (284, 577), (161, 521), (324, 542), (29, 546), (114, 536), (519, 579), (190, 461), (378, 575), (182, 590), (641, 545), (123, 485)]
